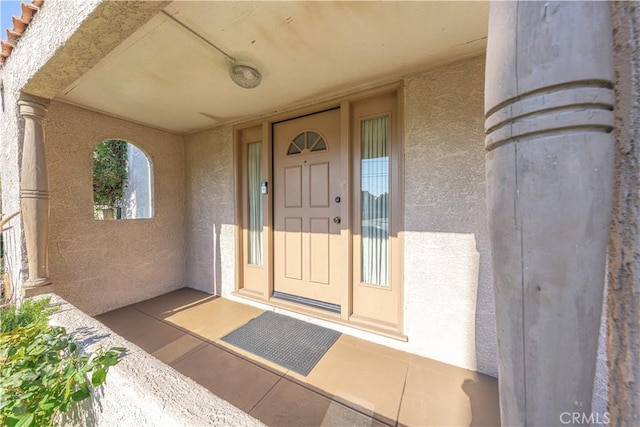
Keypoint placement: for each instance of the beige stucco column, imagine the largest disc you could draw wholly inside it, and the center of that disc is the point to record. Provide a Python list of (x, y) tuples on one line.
[(34, 193), (549, 169)]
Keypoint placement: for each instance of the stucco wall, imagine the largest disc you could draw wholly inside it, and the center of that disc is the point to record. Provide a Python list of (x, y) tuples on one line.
[(449, 306), (448, 295), (63, 41), (210, 211), (623, 299), (10, 154), (102, 265), (23, 63)]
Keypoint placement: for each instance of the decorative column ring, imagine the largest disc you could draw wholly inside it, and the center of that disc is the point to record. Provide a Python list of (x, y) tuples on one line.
[(549, 104), (34, 191)]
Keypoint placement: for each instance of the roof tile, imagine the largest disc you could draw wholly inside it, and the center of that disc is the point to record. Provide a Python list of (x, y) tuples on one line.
[(20, 24)]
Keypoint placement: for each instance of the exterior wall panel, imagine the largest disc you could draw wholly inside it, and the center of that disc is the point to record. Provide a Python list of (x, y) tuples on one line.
[(102, 265), (210, 211), (449, 310)]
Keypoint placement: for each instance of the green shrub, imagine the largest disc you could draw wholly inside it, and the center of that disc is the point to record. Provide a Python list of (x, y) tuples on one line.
[(42, 373), (31, 312), (109, 172)]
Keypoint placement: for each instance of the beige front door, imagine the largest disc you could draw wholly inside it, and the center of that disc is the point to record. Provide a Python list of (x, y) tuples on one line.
[(308, 257)]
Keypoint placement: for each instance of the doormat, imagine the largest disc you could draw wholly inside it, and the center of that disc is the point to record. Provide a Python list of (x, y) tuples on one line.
[(289, 342)]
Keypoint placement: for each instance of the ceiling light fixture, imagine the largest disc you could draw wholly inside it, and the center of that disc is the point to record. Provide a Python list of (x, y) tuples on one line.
[(243, 75)]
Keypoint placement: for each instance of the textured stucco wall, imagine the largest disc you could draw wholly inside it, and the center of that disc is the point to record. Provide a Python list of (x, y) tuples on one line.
[(448, 295), (67, 38), (623, 299), (140, 390), (10, 156), (63, 41), (102, 265), (48, 31), (210, 211), (449, 306)]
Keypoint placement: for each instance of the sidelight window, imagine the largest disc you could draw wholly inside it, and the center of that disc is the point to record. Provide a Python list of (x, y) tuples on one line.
[(254, 180), (375, 201)]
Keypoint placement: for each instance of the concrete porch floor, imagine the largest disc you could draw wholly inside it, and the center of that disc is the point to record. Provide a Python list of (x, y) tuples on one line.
[(356, 383)]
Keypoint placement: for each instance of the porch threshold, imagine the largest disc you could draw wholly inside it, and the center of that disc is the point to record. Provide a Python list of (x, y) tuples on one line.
[(307, 310), (355, 383), (335, 308)]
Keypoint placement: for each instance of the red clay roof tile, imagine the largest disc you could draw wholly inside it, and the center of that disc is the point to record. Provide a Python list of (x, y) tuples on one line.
[(6, 48), (28, 10), (20, 24), (12, 36)]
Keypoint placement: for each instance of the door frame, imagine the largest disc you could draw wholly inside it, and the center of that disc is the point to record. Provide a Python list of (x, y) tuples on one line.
[(257, 282)]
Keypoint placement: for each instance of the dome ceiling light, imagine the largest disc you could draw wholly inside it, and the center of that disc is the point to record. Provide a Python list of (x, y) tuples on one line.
[(244, 75)]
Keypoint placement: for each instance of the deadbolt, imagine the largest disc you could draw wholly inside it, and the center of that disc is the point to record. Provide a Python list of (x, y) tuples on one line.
[(337, 220), (338, 199)]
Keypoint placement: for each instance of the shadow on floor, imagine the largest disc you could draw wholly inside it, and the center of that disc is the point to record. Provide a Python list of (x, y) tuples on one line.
[(356, 383)]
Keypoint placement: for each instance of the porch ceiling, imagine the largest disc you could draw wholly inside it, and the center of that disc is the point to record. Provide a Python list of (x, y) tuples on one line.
[(166, 77)]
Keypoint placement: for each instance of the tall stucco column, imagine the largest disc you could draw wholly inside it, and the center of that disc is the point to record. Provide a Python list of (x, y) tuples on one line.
[(34, 193), (549, 170)]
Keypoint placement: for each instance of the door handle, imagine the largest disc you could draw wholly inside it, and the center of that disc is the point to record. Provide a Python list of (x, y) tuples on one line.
[(337, 220)]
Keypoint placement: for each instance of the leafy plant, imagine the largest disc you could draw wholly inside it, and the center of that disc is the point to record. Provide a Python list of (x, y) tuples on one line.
[(32, 312), (109, 172), (42, 372)]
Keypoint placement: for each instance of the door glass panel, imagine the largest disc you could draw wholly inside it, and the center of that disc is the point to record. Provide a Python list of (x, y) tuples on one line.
[(312, 137), (299, 142), (309, 140), (293, 149), (319, 146), (254, 178), (374, 205)]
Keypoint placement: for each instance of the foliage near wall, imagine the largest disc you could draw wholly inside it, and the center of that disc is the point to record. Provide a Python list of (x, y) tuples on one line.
[(42, 372), (109, 173)]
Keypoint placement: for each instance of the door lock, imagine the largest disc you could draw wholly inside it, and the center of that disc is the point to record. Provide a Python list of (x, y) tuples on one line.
[(337, 220), (337, 199)]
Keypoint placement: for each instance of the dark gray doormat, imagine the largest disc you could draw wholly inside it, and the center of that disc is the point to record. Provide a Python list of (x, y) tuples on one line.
[(289, 342)]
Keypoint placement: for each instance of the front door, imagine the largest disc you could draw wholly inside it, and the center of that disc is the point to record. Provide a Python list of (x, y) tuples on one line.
[(308, 257)]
